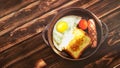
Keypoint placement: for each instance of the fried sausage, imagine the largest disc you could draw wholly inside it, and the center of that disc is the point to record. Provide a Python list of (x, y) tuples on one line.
[(92, 32)]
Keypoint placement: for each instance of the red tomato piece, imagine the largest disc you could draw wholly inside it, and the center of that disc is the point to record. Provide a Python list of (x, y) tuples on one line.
[(83, 24)]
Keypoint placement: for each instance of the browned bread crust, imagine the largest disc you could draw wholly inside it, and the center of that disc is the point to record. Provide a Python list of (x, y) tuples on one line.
[(77, 45)]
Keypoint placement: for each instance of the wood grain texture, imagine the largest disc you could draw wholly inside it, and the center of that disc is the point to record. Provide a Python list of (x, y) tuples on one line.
[(27, 13), (21, 43), (102, 8), (7, 7), (112, 21), (22, 33), (26, 29)]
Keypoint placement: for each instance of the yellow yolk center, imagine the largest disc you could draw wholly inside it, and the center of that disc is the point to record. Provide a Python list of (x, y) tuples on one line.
[(62, 26)]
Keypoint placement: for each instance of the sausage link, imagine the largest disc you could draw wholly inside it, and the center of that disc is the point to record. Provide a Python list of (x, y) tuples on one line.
[(92, 32)]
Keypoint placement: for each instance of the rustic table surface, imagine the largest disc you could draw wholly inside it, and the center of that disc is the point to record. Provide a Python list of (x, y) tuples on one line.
[(21, 24)]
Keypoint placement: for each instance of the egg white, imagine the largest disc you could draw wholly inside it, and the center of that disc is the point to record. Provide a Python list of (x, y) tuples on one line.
[(61, 40)]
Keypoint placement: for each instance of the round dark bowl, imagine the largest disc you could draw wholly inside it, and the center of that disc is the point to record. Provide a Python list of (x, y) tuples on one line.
[(48, 31)]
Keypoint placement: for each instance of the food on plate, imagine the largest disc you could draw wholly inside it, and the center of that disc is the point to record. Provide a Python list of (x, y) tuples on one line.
[(83, 24), (62, 39), (92, 32), (78, 44), (71, 34)]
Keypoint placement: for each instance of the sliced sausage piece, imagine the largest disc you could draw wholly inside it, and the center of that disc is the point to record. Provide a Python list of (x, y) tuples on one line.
[(92, 32)]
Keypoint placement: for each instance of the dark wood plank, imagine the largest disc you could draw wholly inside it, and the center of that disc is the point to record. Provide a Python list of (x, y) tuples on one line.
[(22, 33), (31, 60), (104, 7), (33, 47), (112, 22), (18, 20), (19, 52), (8, 6), (27, 13)]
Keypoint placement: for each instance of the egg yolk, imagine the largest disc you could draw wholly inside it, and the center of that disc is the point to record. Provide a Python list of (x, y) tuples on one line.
[(62, 26)]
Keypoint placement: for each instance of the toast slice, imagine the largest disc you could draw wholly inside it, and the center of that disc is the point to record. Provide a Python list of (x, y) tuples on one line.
[(78, 44)]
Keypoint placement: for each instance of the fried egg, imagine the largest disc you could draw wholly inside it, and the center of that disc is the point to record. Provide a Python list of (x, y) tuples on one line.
[(63, 31)]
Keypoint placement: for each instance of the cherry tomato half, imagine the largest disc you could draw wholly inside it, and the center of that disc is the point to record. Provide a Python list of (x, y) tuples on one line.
[(83, 24)]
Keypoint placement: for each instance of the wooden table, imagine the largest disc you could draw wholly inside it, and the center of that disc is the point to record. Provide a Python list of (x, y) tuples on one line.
[(21, 24)]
